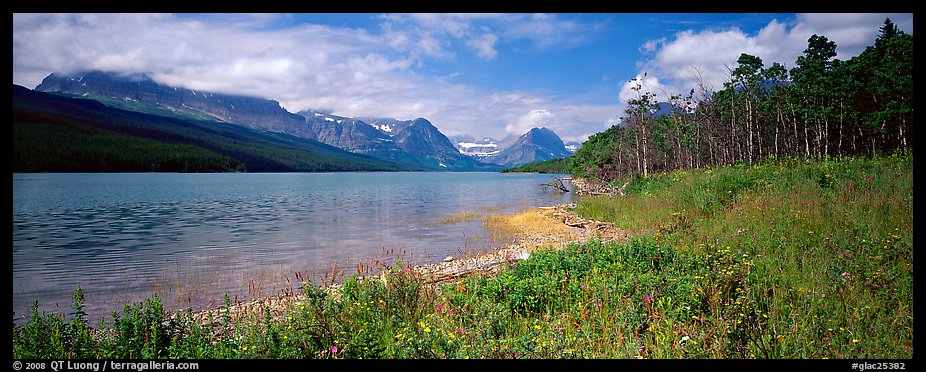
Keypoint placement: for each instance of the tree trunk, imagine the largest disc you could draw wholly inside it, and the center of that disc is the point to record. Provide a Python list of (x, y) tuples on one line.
[(777, 125), (732, 121), (749, 146), (806, 140)]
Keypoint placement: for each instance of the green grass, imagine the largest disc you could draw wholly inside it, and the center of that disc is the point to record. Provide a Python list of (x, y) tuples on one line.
[(785, 259)]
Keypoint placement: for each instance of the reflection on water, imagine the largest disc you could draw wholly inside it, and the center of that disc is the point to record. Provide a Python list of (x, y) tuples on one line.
[(193, 237)]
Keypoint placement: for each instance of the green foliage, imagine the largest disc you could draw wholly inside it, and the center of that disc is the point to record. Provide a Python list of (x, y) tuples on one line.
[(776, 265), (821, 108), (44, 336), (41, 147), (789, 266), (140, 331), (593, 159), (552, 166)]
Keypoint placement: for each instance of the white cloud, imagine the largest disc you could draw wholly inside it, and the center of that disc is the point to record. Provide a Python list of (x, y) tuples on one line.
[(710, 50), (533, 119), (484, 46), (347, 71), (356, 72), (647, 84), (650, 46), (482, 31)]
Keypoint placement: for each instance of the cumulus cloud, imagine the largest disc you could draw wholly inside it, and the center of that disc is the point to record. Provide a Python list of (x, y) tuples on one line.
[(346, 71), (646, 84), (712, 51), (533, 119)]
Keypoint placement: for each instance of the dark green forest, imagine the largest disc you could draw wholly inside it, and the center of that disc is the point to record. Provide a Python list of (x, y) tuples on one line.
[(72, 147), (821, 108), (59, 134), (552, 166)]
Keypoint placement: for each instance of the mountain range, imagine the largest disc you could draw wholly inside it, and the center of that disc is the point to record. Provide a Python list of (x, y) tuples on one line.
[(538, 144), (413, 144), (53, 133)]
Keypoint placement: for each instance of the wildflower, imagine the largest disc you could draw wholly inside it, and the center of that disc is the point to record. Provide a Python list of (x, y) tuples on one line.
[(854, 340), (427, 330), (646, 298), (334, 349), (439, 307)]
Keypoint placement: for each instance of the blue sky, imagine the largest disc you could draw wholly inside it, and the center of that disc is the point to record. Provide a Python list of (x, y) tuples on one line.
[(480, 74)]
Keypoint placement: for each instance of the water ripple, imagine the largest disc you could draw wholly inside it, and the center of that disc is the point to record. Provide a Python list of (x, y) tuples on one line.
[(127, 235)]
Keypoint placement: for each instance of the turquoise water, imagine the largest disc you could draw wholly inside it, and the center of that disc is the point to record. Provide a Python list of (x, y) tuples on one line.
[(191, 238)]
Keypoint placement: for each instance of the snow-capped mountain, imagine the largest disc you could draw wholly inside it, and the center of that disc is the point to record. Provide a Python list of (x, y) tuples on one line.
[(478, 148), (538, 144), (415, 142), (573, 146)]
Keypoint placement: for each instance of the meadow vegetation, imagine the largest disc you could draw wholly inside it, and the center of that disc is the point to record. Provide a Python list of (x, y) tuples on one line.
[(780, 259)]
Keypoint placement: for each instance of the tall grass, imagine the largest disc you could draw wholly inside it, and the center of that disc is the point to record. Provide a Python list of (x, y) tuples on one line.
[(830, 247), (785, 259)]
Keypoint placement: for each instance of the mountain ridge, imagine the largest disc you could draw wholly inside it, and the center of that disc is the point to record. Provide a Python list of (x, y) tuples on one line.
[(259, 151), (417, 143), (538, 144)]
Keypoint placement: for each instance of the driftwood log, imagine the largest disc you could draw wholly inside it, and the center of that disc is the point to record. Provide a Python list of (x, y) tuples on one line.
[(586, 187), (555, 183)]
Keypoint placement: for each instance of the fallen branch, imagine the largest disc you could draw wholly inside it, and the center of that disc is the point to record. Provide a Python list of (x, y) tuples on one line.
[(556, 183)]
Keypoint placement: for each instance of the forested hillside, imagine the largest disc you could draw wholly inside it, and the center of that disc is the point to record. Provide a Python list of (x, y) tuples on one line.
[(58, 134), (822, 107)]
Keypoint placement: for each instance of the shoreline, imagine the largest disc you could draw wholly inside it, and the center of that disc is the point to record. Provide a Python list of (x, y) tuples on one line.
[(559, 227)]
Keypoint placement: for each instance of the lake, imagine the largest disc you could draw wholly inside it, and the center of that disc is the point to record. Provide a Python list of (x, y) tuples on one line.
[(191, 238)]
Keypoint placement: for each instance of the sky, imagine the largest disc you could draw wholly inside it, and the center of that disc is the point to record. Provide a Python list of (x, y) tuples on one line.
[(487, 75)]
